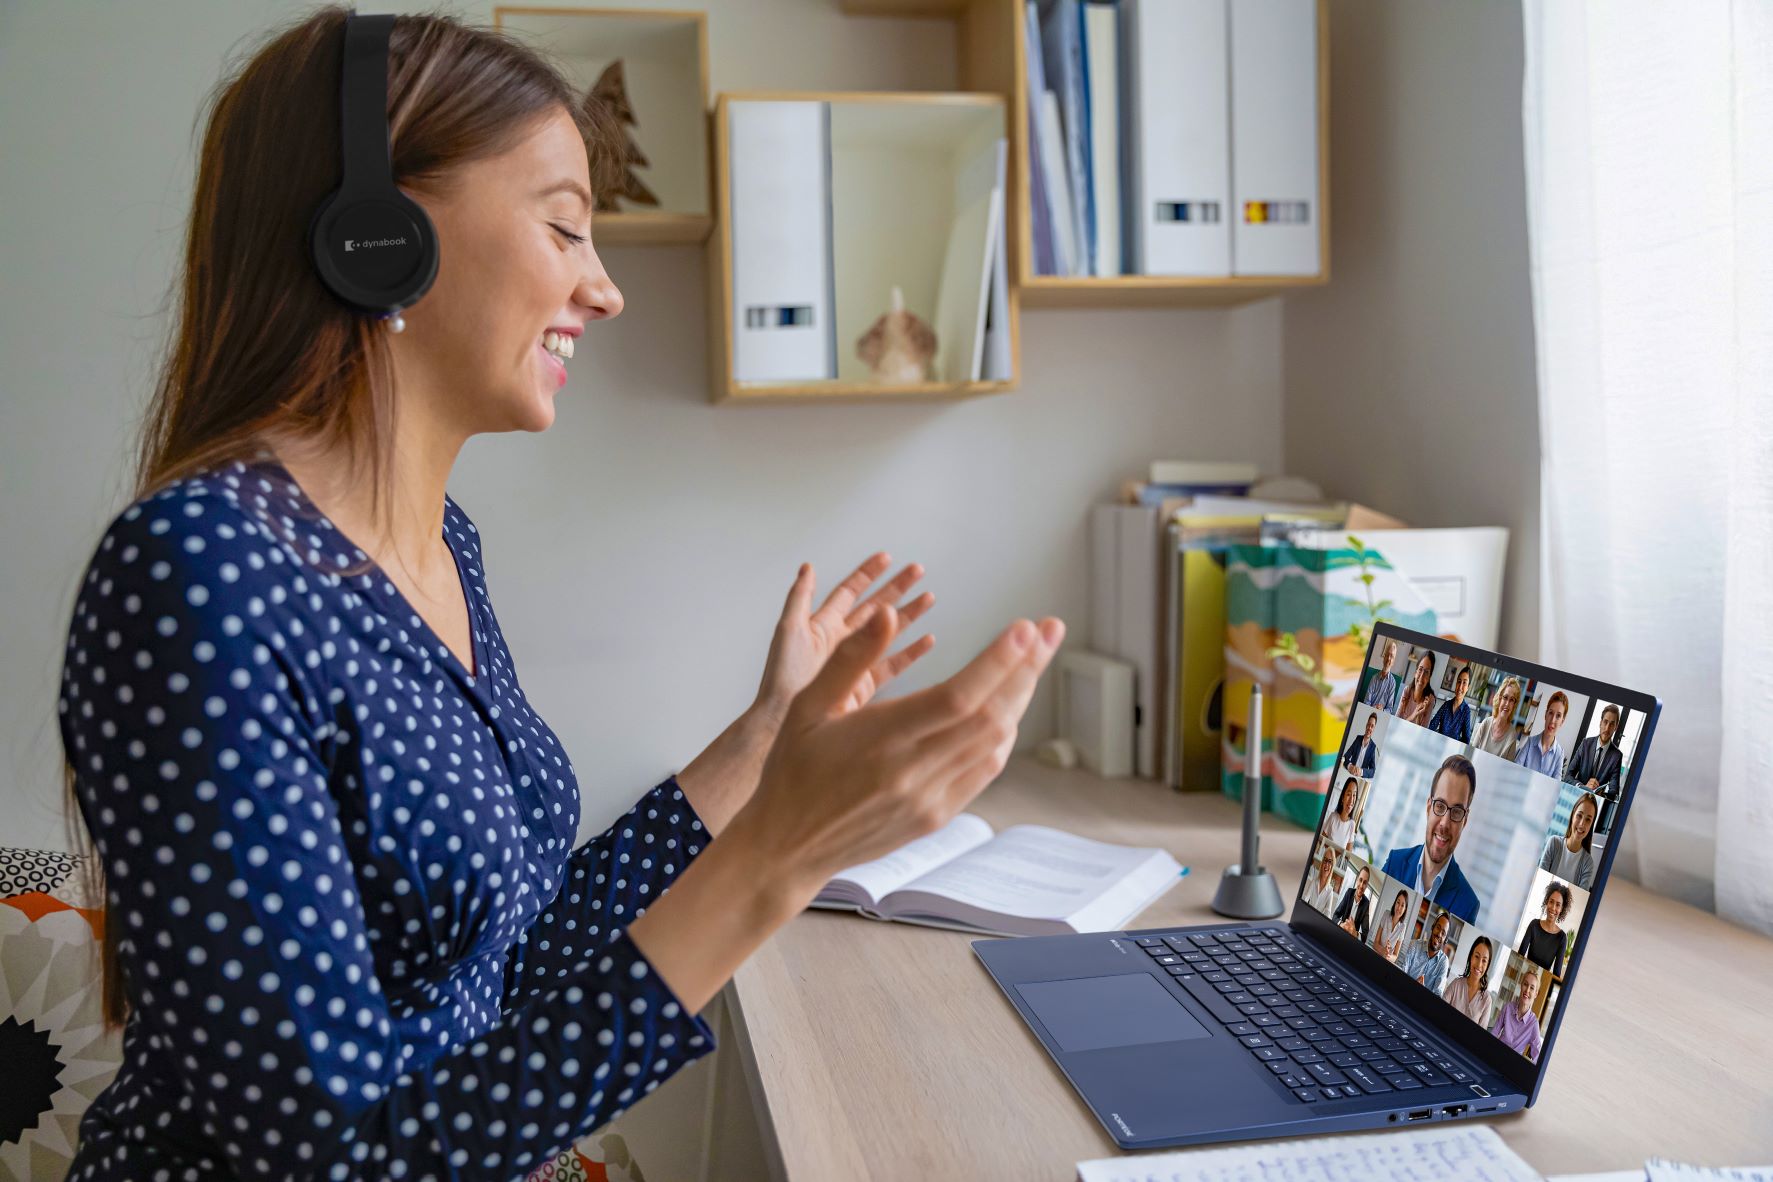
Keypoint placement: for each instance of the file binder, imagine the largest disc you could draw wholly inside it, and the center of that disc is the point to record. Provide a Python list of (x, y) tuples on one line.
[(1179, 128), (784, 325), (1274, 148), (1102, 81), (965, 288)]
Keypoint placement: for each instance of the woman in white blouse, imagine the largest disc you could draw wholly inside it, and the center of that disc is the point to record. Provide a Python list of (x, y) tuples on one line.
[(1320, 891), (1497, 735), (1388, 941), (1569, 856), (1343, 825)]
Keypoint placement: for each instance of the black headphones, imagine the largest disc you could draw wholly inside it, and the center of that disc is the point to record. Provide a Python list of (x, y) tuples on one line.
[(372, 244)]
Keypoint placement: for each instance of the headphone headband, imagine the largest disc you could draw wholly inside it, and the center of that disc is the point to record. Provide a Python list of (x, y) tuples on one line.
[(373, 246)]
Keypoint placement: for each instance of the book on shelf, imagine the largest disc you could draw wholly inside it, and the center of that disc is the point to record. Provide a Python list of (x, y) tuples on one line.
[(1027, 880), (974, 242), (1101, 34)]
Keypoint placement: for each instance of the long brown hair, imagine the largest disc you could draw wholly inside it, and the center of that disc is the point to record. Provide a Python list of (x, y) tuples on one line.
[(257, 345)]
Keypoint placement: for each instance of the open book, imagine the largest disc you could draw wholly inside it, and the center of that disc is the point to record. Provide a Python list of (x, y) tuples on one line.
[(1026, 881)]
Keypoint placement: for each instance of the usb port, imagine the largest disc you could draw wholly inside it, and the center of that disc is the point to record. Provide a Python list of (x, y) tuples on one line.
[(1420, 1114), (1454, 1110)]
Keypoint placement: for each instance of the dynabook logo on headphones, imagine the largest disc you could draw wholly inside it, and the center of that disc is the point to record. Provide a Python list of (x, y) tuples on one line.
[(366, 243)]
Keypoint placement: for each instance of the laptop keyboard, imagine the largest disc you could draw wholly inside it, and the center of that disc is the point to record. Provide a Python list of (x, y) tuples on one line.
[(1319, 1038)]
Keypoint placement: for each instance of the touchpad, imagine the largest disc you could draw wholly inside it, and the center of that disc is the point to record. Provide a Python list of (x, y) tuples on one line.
[(1086, 1013)]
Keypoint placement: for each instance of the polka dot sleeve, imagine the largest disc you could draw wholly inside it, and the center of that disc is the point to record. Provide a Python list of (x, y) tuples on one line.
[(269, 1036), (609, 881)]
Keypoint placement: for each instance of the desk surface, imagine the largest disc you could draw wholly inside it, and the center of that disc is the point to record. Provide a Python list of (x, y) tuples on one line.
[(884, 1050)]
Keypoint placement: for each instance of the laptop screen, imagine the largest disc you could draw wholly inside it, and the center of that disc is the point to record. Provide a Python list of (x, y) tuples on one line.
[(1469, 809)]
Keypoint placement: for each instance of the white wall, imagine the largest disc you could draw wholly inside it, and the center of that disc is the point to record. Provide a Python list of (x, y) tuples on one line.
[(1409, 378), (639, 551)]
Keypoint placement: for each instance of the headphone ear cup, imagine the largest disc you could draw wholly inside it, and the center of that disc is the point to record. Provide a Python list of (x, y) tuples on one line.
[(376, 251)]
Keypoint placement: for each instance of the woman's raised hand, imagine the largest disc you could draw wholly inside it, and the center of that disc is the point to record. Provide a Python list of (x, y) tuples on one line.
[(842, 786)]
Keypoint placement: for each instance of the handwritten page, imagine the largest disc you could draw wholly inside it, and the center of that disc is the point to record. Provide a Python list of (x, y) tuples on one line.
[(1452, 1153), (1658, 1170)]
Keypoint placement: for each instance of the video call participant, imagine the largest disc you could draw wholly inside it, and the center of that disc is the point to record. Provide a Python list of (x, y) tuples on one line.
[(1352, 914), (1382, 690), (1496, 736), (1515, 1024), (1469, 993), (1453, 719), (1362, 755), (1426, 960), (1569, 856), (1343, 826), (1597, 761), (1543, 941), (1418, 702), (1320, 890), (1388, 941), (1430, 867), (1541, 752)]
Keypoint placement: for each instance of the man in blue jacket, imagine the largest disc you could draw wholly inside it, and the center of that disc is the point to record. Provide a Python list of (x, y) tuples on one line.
[(1430, 867), (1362, 755)]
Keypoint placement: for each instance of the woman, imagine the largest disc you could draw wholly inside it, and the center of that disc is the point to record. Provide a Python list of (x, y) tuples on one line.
[(1470, 992), (1496, 735), (1516, 1024), (1343, 826), (1418, 703), (347, 930), (1569, 857), (1320, 891), (1542, 942), (1352, 913), (1388, 940)]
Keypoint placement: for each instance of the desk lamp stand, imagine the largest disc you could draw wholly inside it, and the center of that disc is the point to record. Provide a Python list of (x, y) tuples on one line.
[(1247, 890)]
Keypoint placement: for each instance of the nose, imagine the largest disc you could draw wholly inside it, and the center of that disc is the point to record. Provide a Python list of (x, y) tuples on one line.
[(597, 292)]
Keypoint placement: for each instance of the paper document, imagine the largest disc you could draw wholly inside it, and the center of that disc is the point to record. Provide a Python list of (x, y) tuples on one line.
[(1458, 1153)]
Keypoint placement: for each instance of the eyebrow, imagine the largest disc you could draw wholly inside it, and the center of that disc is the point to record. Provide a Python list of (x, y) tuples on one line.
[(567, 186)]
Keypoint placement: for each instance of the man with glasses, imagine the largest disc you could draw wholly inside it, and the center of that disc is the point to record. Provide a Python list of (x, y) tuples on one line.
[(1430, 867)]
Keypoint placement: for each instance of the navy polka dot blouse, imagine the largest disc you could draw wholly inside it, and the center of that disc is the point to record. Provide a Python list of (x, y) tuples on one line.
[(356, 938)]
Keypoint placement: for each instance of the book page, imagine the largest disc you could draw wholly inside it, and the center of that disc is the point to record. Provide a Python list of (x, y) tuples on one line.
[(883, 875), (1034, 872)]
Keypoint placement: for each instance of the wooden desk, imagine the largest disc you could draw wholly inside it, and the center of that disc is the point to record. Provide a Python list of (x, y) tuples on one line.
[(885, 1051)]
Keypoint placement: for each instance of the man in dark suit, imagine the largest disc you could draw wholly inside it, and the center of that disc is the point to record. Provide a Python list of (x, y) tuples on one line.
[(1362, 755), (1597, 761)]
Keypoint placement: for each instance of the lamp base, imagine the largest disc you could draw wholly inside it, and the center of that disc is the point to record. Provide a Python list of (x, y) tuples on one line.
[(1248, 896)]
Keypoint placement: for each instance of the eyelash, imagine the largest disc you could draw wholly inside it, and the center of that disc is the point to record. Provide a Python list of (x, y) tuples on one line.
[(575, 239)]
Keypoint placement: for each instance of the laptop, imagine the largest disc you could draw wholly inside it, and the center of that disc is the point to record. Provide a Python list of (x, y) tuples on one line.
[(1433, 942)]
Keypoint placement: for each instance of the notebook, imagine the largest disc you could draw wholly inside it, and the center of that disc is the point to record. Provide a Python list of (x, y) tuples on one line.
[(1028, 880)]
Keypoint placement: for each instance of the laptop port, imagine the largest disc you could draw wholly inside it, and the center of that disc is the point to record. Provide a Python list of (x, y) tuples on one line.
[(1454, 1110), (1419, 1114)]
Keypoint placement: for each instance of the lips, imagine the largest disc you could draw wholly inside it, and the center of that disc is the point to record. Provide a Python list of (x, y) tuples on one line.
[(554, 365)]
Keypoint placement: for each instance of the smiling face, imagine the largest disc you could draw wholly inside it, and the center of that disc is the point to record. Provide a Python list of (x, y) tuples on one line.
[(1582, 819), (1529, 988), (1360, 881), (508, 272), (1554, 718), (1389, 656), (1424, 672), (1508, 700), (1554, 906), (1454, 788), (1480, 961), (1399, 902), (1461, 684), (1437, 934), (1609, 723)]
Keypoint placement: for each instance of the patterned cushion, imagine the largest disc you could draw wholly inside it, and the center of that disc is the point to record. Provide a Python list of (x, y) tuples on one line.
[(58, 1055), (56, 1051)]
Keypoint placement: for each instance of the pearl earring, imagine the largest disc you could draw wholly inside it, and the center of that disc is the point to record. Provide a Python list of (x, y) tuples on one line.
[(396, 322)]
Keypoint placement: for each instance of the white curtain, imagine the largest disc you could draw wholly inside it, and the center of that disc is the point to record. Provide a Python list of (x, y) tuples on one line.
[(1649, 143)]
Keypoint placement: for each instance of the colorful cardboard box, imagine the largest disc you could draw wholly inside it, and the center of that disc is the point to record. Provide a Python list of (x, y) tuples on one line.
[(1318, 596)]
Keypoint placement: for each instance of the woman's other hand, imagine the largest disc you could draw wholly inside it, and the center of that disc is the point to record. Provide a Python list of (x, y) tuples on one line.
[(842, 784), (804, 639)]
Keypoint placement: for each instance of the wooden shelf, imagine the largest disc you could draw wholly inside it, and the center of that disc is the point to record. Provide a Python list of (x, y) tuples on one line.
[(650, 228), (893, 155), (1147, 291), (993, 59), (756, 392)]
